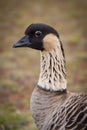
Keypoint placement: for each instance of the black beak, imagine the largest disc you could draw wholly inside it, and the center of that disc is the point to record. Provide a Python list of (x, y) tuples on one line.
[(23, 42)]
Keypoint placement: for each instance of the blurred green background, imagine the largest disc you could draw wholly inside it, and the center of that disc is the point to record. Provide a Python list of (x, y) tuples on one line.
[(19, 68)]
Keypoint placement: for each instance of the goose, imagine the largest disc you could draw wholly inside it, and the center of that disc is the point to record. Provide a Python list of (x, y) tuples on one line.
[(52, 106)]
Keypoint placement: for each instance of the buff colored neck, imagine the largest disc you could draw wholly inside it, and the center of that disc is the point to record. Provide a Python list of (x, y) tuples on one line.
[(52, 72)]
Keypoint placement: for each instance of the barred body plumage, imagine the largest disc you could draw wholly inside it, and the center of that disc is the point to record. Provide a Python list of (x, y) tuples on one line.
[(59, 111)]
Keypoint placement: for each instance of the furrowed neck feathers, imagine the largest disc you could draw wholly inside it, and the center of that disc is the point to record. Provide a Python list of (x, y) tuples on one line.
[(52, 72)]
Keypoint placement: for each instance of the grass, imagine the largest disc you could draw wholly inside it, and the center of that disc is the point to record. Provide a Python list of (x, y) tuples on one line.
[(10, 119)]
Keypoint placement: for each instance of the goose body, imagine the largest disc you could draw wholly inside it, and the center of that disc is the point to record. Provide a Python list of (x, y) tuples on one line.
[(59, 111), (52, 106)]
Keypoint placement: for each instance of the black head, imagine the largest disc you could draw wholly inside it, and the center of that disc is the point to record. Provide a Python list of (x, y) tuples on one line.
[(34, 36)]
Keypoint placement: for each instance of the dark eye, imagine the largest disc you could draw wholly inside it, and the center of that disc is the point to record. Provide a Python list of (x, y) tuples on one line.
[(38, 33)]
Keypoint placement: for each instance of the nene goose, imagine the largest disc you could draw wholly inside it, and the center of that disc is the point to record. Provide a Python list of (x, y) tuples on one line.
[(52, 106)]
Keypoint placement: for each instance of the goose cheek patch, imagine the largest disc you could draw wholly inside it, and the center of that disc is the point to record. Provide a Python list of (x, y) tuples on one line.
[(50, 42)]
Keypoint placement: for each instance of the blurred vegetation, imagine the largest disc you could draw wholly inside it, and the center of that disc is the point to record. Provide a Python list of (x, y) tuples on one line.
[(19, 68)]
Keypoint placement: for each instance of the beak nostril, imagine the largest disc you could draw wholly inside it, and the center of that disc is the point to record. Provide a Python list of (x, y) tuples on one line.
[(23, 42)]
